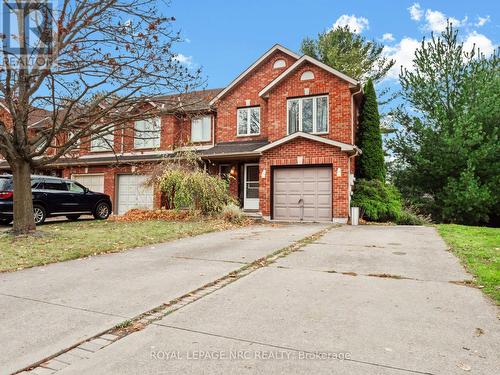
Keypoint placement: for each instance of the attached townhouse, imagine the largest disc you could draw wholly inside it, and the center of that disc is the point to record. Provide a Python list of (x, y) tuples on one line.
[(283, 133)]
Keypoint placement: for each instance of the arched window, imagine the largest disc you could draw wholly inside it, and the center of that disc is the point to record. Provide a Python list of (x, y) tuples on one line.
[(307, 75), (279, 64)]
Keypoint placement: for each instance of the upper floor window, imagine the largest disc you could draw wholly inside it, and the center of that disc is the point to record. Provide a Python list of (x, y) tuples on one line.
[(308, 114), (201, 129), (307, 75), (147, 133), (280, 63), (249, 121), (103, 142), (77, 142)]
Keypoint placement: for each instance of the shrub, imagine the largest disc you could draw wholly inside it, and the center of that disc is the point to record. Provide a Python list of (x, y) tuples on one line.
[(232, 213), (195, 190), (377, 201), (409, 217)]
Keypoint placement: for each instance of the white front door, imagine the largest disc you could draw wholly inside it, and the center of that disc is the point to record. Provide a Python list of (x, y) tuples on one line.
[(251, 187)]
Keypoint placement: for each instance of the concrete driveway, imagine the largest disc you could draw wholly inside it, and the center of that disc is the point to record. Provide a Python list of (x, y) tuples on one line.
[(44, 310), (359, 300)]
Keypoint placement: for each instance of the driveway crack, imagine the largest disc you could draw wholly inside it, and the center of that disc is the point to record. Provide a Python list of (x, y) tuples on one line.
[(289, 348), (62, 305)]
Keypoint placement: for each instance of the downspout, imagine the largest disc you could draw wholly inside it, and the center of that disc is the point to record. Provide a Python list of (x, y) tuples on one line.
[(357, 150), (356, 153)]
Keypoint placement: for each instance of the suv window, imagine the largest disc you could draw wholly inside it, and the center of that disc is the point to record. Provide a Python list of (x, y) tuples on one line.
[(36, 183), (75, 187), (5, 183), (54, 185)]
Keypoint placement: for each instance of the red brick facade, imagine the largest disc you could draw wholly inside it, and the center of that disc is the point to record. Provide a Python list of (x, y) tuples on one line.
[(309, 153), (248, 90), (176, 130)]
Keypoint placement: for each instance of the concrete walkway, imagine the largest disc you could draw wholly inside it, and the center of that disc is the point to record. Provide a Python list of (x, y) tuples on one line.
[(382, 297), (46, 309)]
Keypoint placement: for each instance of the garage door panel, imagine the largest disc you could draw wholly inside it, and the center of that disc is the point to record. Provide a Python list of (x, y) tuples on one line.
[(309, 199), (323, 200), (312, 185), (94, 182), (132, 193)]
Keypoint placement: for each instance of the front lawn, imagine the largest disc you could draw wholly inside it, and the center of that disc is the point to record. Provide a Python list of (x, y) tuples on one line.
[(71, 240), (479, 249)]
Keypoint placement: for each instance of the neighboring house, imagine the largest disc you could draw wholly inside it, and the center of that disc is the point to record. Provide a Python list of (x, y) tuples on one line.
[(283, 130)]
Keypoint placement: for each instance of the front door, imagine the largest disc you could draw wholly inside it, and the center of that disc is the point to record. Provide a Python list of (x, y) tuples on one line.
[(251, 186)]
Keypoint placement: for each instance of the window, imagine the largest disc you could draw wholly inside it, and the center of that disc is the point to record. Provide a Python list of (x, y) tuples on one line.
[(307, 75), (225, 171), (147, 133), (103, 142), (71, 134), (308, 114), (36, 183), (249, 121), (280, 63), (201, 129), (54, 185), (74, 187)]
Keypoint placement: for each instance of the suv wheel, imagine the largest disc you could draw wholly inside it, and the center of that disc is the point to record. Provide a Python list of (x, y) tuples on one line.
[(39, 213), (5, 221), (72, 217), (102, 211)]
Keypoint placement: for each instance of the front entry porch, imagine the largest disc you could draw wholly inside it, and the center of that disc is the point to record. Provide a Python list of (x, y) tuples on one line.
[(243, 178)]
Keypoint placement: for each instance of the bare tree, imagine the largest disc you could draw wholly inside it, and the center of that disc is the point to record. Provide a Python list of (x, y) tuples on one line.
[(92, 66)]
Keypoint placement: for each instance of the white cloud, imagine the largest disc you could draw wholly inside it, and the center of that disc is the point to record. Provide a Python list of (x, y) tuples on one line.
[(436, 21), (478, 41), (388, 37), (183, 59), (403, 53), (416, 12), (356, 24), (481, 21)]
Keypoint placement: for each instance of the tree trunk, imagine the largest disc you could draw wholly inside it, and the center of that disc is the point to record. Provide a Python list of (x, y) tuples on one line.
[(24, 221)]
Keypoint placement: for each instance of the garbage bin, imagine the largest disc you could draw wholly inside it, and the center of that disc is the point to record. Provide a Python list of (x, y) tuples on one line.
[(354, 215)]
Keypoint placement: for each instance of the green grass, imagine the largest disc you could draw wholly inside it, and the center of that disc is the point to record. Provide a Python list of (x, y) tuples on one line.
[(479, 250), (72, 240)]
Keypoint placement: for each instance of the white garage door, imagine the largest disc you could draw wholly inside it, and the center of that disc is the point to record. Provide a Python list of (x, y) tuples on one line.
[(94, 182), (303, 194), (132, 193)]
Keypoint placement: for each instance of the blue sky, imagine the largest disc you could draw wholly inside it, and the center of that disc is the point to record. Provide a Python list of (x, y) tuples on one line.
[(225, 37)]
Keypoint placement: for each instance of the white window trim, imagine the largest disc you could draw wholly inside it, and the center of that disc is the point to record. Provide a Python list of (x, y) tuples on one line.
[(142, 147), (77, 144), (109, 142), (300, 99), (247, 134), (210, 129)]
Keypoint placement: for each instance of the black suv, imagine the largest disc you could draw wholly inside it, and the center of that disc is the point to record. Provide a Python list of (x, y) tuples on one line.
[(54, 196)]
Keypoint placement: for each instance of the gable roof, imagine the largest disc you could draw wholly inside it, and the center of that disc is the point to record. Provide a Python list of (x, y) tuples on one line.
[(238, 79), (189, 102), (343, 146), (297, 64)]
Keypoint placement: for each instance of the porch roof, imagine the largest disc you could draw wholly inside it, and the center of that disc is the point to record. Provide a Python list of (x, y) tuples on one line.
[(227, 149)]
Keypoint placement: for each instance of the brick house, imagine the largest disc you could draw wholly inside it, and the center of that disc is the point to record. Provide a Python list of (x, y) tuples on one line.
[(283, 132)]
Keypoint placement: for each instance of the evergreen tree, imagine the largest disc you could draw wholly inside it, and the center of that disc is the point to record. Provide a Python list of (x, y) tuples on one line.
[(370, 165), (350, 53), (446, 151)]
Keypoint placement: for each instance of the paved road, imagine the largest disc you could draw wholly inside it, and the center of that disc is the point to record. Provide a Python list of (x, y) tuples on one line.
[(46, 309), (379, 295)]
